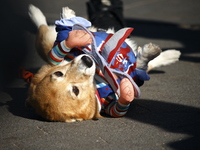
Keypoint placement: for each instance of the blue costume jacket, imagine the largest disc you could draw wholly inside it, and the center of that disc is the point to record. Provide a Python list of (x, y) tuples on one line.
[(111, 53)]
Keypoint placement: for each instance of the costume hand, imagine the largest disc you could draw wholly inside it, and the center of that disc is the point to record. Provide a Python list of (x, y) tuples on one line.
[(78, 38)]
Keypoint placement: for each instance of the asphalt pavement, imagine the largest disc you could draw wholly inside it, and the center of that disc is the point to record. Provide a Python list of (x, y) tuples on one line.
[(167, 116)]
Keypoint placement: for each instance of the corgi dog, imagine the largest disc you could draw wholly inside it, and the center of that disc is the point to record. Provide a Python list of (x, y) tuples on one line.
[(66, 92)]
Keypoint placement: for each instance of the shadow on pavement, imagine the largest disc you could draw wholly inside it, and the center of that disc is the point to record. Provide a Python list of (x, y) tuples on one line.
[(12, 40), (189, 37), (171, 117), (17, 105)]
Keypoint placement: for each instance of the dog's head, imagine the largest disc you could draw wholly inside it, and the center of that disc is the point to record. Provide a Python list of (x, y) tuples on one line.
[(65, 92)]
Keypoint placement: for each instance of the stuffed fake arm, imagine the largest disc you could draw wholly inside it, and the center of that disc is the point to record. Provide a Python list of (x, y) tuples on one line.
[(118, 108), (66, 38), (76, 38)]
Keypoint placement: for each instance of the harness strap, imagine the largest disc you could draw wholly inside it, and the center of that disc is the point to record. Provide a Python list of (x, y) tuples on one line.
[(26, 75)]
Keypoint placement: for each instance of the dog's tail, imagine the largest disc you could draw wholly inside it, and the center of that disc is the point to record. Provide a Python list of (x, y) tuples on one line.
[(165, 58), (37, 16)]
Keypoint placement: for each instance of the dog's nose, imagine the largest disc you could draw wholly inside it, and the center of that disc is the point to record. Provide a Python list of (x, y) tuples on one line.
[(87, 61)]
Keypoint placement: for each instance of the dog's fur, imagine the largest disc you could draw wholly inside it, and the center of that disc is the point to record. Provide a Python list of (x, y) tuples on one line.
[(66, 92)]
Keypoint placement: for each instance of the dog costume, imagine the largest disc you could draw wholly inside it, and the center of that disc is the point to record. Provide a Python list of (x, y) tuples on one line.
[(112, 56)]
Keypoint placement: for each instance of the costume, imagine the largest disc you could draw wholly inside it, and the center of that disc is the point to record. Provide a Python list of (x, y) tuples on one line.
[(111, 54)]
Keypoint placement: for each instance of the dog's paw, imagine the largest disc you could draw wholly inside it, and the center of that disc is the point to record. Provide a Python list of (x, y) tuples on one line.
[(146, 54), (37, 16), (70, 120), (167, 57), (73, 120), (67, 13), (150, 51)]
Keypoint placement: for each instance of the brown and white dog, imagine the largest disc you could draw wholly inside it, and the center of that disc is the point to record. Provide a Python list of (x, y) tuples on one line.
[(66, 92)]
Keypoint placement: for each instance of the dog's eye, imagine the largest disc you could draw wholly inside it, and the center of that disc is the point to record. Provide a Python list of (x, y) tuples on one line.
[(75, 90), (58, 74)]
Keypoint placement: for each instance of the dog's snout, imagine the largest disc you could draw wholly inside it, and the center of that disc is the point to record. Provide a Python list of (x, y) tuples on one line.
[(87, 61)]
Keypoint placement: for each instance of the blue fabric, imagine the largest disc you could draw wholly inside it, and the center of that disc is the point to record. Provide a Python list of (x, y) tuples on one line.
[(72, 21), (142, 75), (123, 60), (62, 33), (105, 90), (64, 26)]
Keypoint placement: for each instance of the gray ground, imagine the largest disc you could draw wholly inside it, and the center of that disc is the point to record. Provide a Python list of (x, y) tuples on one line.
[(167, 116)]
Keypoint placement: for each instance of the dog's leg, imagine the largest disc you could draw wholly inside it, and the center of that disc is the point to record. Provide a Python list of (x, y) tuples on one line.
[(67, 13), (37, 16), (44, 40), (145, 54), (165, 58), (46, 34)]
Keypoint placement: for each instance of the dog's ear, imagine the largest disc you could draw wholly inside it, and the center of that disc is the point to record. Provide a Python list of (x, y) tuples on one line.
[(28, 103), (30, 95), (44, 70), (35, 80), (31, 92)]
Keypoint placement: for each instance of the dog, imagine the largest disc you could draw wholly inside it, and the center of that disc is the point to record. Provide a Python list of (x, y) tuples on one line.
[(66, 92)]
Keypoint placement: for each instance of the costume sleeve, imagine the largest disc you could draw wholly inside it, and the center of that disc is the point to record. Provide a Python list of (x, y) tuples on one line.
[(114, 108), (58, 52), (64, 26)]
